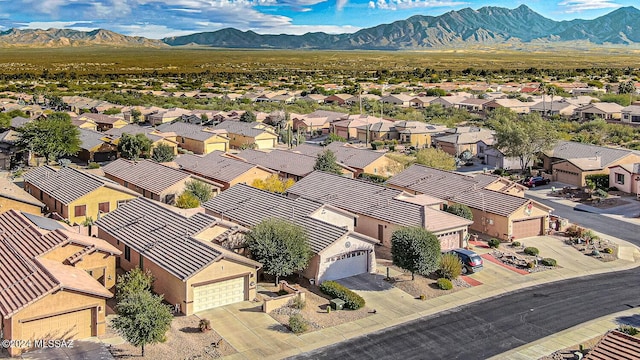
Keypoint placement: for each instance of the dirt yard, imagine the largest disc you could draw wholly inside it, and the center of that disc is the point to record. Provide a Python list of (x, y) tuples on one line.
[(184, 341), (422, 285)]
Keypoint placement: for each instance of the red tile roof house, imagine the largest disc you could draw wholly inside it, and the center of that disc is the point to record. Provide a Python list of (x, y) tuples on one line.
[(184, 252), (53, 284), (151, 179), (338, 251), (381, 210), (496, 212), (615, 345)]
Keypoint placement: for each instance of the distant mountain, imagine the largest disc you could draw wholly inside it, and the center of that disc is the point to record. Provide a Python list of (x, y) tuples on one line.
[(487, 25), (68, 37)]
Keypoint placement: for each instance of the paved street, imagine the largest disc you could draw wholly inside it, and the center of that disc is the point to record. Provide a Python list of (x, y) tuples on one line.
[(493, 326)]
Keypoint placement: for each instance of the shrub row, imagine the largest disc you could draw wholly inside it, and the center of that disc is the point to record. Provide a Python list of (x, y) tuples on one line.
[(532, 251), (351, 300)]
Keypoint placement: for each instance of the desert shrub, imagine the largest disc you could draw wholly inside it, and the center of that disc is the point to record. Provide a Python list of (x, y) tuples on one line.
[(445, 284), (608, 250), (450, 266), (351, 300), (375, 145), (93, 165), (531, 251), (613, 188), (493, 243), (574, 231), (297, 324), (298, 303), (549, 262), (629, 330), (204, 325), (515, 243), (531, 265)]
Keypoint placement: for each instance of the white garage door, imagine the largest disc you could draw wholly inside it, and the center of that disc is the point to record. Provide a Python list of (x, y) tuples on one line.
[(345, 265), (73, 325), (449, 241), (218, 294), (265, 144)]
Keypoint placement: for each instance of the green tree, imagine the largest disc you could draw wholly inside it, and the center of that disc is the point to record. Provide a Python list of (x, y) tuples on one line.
[(163, 153), (112, 111), (133, 281), (435, 158), (135, 116), (627, 87), (199, 189), (281, 247), (187, 200), (460, 210), (334, 137), (142, 319), (248, 117), (436, 92), (416, 250), (133, 147), (52, 137), (5, 118), (326, 161), (522, 137)]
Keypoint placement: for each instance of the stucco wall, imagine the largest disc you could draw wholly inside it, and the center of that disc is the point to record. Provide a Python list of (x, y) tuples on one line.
[(94, 261), (334, 217), (91, 200)]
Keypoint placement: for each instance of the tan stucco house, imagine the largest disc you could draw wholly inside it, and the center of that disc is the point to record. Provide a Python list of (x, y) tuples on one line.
[(626, 178), (255, 135)]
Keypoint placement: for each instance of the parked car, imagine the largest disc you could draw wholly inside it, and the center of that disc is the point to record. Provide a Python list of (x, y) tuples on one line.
[(471, 262), (535, 181)]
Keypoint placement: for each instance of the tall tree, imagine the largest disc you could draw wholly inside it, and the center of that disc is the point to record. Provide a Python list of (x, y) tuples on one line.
[(416, 250), (163, 153), (133, 281), (142, 319), (522, 137), (327, 161), (199, 189), (460, 210), (52, 137), (133, 147), (281, 247), (248, 117), (627, 87), (135, 116), (435, 158), (273, 184)]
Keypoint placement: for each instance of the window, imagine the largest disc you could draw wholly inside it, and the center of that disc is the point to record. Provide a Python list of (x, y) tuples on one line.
[(80, 210), (103, 207), (620, 179), (127, 253), (125, 184), (355, 222)]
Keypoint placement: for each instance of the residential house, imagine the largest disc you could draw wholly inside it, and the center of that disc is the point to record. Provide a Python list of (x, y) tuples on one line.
[(581, 91), (450, 101), (19, 121), (221, 169), (338, 251), (243, 134), (511, 104), (378, 131), (472, 104), (310, 125), (381, 210), (496, 212), (625, 177), (464, 139), (581, 100), (96, 147), (361, 160), (496, 159), (195, 138), (631, 114), (554, 108), (84, 123), (338, 99), (104, 122), (397, 99), (314, 98), (602, 110), (157, 138), (144, 113), (348, 128), (571, 162), (75, 195), (183, 252), (9, 151), (151, 179), (421, 102), (417, 133), (54, 283), (13, 197), (165, 115)]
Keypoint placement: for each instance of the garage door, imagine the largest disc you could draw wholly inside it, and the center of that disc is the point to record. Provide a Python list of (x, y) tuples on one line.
[(346, 264), (73, 325), (218, 294), (527, 228), (449, 241), (265, 144), (568, 177)]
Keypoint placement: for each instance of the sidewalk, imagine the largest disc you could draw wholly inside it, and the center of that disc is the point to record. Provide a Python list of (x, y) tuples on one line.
[(258, 336)]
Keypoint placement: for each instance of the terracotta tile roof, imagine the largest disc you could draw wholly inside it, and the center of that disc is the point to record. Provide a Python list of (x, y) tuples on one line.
[(376, 201), (615, 345), (146, 174), (23, 279), (248, 206)]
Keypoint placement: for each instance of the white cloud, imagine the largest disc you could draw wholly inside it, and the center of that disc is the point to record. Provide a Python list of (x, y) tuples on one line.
[(151, 31), (340, 4), (303, 29), (75, 25), (408, 4), (573, 6)]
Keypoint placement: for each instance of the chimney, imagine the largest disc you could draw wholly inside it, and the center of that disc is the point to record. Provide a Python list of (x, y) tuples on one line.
[(423, 216)]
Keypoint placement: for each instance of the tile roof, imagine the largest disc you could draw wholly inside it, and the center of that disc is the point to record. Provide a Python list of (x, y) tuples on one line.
[(23, 279), (615, 345), (376, 201), (280, 160), (466, 137), (214, 166), (243, 128), (191, 131), (354, 157), (19, 121), (89, 139), (463, 189), (10, 190), (66, 184), (9, 136), (133, 129), (101, 118), (162, 235), (332, 115), (72, 278), (605, 107), (248, 206), (574, 150), (146, 174)]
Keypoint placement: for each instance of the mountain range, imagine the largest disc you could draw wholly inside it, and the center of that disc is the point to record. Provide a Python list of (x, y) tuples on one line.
[(465, 27)]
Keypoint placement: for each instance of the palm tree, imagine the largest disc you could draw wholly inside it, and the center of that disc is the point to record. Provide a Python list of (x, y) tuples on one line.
[(543, 89)]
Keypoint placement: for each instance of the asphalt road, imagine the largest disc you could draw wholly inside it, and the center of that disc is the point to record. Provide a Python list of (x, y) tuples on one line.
[(606, 225), (490, 327)]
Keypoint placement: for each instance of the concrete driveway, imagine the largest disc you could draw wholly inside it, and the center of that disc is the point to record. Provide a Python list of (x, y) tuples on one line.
[(81, 350)]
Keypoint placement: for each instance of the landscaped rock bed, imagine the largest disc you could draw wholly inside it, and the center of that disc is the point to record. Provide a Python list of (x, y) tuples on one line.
[(597, 249), (516, 257), (422, 285)]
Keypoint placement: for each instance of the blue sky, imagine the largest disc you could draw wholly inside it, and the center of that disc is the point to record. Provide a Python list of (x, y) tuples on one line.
[(160, 18)]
